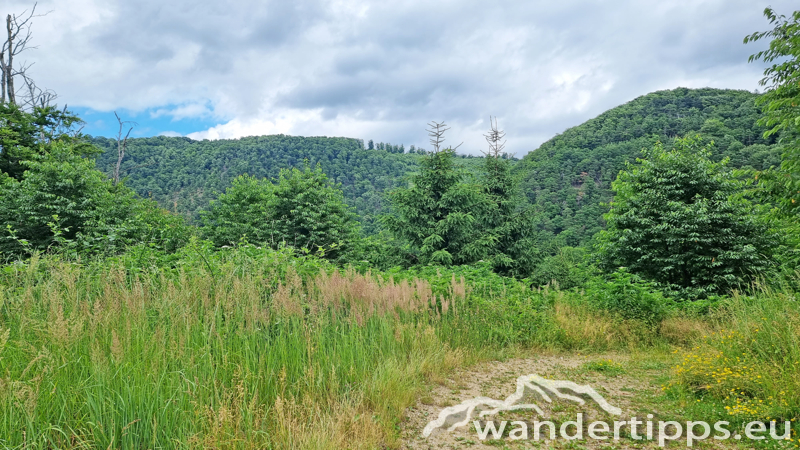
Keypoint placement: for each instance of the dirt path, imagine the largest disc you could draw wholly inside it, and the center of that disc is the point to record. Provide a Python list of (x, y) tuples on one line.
[(625, 381)]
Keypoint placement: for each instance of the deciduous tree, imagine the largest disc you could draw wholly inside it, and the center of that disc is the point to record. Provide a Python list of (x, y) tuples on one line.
[(675, 220), (302, 209), (781, 104)]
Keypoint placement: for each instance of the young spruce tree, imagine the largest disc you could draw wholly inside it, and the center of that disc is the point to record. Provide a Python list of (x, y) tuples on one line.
[(506, 236), (436, 213)]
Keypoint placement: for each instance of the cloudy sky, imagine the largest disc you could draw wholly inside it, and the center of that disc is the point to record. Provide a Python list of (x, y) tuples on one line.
[(381, 69)]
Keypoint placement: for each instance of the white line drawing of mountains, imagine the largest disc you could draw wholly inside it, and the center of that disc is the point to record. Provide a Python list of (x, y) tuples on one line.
[(545, 388)]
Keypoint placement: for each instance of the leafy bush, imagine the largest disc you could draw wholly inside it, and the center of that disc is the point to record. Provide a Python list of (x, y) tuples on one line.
[(302, 210), (628, 296), (568, 269), (675, 220), (62, 202)]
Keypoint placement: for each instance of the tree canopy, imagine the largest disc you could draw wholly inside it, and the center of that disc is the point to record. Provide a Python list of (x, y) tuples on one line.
[(302, 209), (436, 212), (781, 104), (675, 219)]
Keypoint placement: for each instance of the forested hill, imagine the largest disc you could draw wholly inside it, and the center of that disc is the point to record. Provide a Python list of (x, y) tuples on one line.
[(570, 175), (183, 175), (567, 178)]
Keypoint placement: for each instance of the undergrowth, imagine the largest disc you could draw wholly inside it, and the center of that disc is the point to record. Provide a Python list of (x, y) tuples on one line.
[(747, 367), (258, 348)]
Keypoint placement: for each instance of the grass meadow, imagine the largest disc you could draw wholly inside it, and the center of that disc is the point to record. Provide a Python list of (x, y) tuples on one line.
[(255, 348)]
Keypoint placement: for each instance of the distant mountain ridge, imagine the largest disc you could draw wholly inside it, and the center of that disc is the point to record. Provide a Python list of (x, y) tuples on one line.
[(570, 175), (566, 178)]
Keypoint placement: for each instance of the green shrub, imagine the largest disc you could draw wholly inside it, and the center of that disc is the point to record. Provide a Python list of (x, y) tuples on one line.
[(676, 219), (568, 268), (628, 297), (302, 209)]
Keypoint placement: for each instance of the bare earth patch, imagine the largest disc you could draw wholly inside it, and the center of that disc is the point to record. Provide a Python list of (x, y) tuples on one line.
[(624, 380)]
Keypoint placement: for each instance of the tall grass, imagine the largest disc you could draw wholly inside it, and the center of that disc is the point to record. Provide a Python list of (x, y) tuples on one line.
[(255, 348), (243, 351), (751, 361)]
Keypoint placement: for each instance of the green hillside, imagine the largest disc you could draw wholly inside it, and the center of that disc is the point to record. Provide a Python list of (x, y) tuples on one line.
[(183, 175), (569, 176)]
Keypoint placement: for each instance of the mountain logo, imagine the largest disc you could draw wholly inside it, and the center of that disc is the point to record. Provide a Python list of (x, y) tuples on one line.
[(459, 415)]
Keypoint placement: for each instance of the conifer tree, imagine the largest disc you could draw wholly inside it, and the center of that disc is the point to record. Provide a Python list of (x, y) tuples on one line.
[(436, 213), (506, 231)]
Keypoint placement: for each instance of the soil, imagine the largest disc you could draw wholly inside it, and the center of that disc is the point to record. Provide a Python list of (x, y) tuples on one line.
[(624, 380)]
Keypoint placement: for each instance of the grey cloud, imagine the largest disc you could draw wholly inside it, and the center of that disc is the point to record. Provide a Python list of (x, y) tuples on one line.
[(541, 66)]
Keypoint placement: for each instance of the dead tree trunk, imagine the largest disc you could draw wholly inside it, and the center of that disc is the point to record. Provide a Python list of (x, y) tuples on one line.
[(17, 37), (8, 69), (3, 76), (122, 145)]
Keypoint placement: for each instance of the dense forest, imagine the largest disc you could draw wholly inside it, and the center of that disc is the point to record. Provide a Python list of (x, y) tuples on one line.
[(567, 178), (183, 175)]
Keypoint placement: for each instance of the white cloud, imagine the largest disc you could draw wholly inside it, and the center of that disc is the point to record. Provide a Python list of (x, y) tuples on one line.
[(381, 70)]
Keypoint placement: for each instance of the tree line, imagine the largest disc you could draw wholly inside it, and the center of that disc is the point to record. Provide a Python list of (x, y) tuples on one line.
[(705, 208)]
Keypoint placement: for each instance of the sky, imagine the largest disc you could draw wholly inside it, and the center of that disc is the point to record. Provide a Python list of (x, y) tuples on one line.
[(381, 70)]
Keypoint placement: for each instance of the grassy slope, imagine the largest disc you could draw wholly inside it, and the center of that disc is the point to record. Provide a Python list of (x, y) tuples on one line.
[(251, 348)]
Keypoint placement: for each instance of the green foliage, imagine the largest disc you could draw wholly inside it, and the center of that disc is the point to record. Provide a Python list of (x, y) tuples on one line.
[(781, 104), (567, 269), (57, 187), (184, 175), (144, 224), (303, 210), (628, 297), (436, 213), (504, 228), (378, 251), (25, 135), (568, 177), (240, 213), (63, 202), (674, 220)]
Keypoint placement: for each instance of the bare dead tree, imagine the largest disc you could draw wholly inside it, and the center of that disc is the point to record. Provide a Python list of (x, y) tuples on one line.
[(122, 143), (436, 133), (17, 40), (495, 138), (36, 97)]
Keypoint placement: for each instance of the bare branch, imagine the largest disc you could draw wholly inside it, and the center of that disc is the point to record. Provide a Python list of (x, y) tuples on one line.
[(122, 144), (17, 40), (495, 138), (436, 132)]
